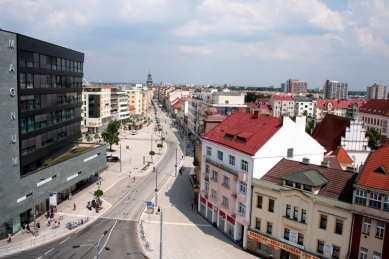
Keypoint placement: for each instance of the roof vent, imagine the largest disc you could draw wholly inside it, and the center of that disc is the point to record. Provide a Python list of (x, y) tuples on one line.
[(350, 169), (325, 164), (256, 113), (306, 161)]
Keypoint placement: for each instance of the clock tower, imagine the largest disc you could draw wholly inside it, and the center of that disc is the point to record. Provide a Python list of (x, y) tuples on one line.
[(149, 80)]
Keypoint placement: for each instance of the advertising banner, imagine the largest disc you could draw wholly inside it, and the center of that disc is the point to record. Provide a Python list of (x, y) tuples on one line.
[(53, 199)]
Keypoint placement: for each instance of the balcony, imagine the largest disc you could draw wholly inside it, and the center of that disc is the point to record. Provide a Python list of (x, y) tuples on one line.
[(221, 166), (206, 177), (241, 218), (194, 182), (234, 195)]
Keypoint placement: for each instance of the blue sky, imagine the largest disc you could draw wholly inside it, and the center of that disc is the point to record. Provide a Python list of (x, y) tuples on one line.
[(246, 42)]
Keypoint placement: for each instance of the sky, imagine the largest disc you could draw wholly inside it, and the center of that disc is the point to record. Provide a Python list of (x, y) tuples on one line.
[(236, 42)]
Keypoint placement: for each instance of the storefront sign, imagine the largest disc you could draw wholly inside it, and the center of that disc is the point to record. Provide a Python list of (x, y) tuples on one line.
[(328, 249), (278, 245)]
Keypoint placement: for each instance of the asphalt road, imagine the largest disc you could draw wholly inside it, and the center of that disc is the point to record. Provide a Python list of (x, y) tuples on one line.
[(121, 221)]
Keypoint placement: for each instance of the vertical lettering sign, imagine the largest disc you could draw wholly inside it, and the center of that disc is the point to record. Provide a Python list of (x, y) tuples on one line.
[(12, 92)]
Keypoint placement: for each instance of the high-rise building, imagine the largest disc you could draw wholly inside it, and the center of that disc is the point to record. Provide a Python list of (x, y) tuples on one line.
[(283, 87), (294, 86), (377, 91), (41, 102), (332, 89)]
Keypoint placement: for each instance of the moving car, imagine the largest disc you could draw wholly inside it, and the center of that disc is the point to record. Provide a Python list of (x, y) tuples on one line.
[(134, 132)]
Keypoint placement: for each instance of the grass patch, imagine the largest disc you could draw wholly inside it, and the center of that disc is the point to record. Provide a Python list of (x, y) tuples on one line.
[(77, 151)]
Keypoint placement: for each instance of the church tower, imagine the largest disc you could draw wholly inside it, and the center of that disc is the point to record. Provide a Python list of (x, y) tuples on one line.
[(149, 80)]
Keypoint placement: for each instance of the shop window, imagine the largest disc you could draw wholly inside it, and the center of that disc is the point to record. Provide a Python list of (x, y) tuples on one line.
[(287, 214), (259, 202), (269, 228), (366, 226), (320, 246), (258, 223), (339, 226), (323, 221), (336, 252), (271, 205)]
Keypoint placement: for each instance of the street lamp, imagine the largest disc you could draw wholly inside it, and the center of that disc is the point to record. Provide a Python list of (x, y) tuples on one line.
[(96, 246), (160, 231)]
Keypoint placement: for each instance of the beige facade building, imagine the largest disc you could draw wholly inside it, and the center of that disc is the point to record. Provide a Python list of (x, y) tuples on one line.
[(301, 210), (135, 99)]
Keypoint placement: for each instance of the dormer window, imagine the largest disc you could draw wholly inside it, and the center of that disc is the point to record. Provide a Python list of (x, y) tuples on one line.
[(307, 187), (229, 136), (240, 139), (289, 183)]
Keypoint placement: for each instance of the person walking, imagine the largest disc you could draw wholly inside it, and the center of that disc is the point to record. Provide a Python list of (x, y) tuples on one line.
[(38, 226), (60, 215), (159, 210), (74, 206), (28, 229), (23, 228), (70, 196), (134, 178), (9, 238), (192, 205)]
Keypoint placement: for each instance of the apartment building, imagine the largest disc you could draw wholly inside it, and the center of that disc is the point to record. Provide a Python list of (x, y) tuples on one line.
[(294, 86), (282, 105), (370, 235), (135, 99), (301, 210), (305, 106), (375, 113), (333, 89), (241, 147), (377, 91), (342, 108)]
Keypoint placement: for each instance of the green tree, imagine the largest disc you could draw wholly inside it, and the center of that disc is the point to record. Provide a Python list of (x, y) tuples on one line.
[(98, 193), (309, 126), (88, 138), (374, 136), (111, 134), (250, 97), (96, 136), (152, 153), (309, 95), (160, 146)]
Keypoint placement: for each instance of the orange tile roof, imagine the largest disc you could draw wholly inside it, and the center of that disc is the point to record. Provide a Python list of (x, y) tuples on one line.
[(177, 106), (338, 104), (283, 98), (341, 155), (373, 173), (376, 106)]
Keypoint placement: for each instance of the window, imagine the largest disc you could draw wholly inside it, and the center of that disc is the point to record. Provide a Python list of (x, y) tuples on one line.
[(207, 169), (386, 203), (380, 229), (298, 185), (289, 183), (271, 205), (242, 187), (323, 221), (258, 223), (289, 153), (320, 246), (363, 253), (376, 255), (339, 226), (206, 186), (296, 213), (366, 226), (226, 181), (360, 197), (300, 239), (307, 187), (214, 175), (259, 202), (269, 227), (335, 252), (245, 165), (220, 155), (225, 202), (375, 200), (287, 214), (304, 216), (214, 194), (231, 160), (286, 233), (242, 208), (209, 151)]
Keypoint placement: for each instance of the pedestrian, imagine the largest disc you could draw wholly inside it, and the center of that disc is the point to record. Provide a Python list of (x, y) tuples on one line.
[(192, 205), (134, 178), (60, 215), (74, 206), (23, 228), (9, 237), (48, 222), (48, 214), (70, 196), (159, 210), (38, 226), (28, 228)]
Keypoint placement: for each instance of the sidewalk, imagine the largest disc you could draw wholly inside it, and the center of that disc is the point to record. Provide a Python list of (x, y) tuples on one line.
[(185, 233)]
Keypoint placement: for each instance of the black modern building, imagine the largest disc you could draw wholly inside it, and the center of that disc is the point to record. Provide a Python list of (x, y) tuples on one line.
[(40, 113)]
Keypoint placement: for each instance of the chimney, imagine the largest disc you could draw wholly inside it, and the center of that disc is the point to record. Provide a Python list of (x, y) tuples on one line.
[(325, 164), (350, 169), (306, 161), (256, 113)]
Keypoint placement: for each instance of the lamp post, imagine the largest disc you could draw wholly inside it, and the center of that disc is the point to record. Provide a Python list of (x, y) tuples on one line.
[(160, 231), (95, 246), (156, 187), (98, 175)]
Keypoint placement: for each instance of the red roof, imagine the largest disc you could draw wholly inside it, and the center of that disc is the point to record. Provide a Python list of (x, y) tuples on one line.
[(376, 106), (341, 155), (339, 186), (329, 132), (251, 105), (177, 106), (131, 107), (262, 100), (283, 98), (338, 104), (373, 174), (262, 129)]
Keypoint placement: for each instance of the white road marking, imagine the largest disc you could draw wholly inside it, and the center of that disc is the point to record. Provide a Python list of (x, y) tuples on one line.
[(39, 257), (65, 240), (106, 241), (49, 251)]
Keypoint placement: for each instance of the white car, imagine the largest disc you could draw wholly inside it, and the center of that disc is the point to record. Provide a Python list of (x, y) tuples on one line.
[(134, 132)]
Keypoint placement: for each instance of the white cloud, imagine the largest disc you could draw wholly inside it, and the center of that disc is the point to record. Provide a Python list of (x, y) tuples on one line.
[(195, 50)]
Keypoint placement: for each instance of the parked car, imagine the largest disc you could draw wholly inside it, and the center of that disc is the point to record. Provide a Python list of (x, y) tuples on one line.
[(134, 132)]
